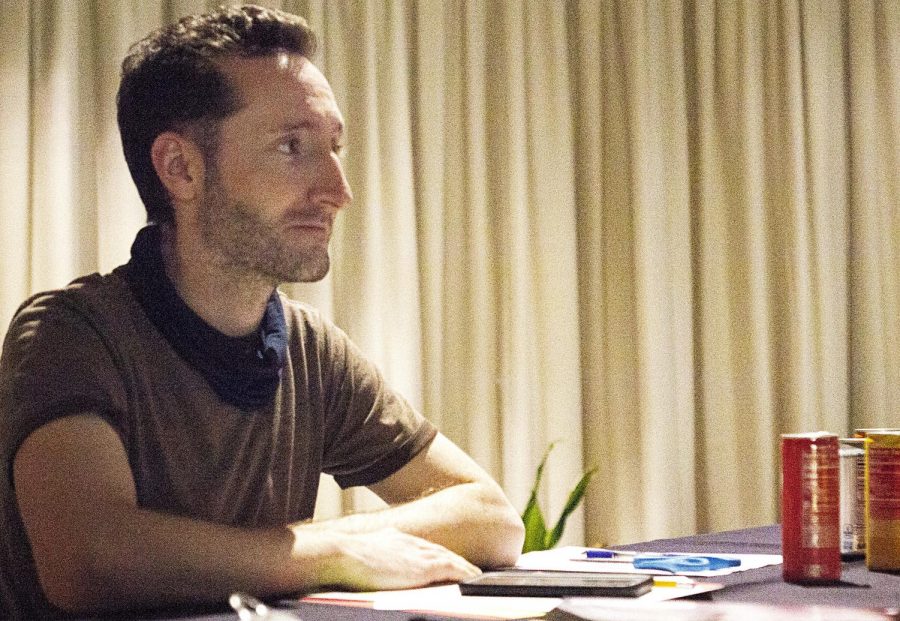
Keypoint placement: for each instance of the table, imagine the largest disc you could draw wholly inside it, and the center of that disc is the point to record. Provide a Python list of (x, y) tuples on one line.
[(859, 587)]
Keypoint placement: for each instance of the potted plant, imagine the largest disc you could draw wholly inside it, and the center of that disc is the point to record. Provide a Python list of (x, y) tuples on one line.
[(537, 537)]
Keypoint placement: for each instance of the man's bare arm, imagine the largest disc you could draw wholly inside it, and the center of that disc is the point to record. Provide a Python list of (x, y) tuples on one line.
[(443, 496), (95, 549)]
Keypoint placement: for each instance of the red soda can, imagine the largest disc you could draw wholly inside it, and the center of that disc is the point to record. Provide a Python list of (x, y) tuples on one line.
[(810, 507)]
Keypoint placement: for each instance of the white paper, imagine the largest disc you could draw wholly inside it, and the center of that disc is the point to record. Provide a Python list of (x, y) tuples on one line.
[(446, 599), (566, 559)]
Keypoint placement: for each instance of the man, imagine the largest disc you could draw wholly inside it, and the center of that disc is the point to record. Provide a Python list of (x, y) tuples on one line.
[(164, 426)]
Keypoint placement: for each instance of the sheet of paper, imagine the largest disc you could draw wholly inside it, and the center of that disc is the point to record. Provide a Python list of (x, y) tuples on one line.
[(572, 558), (677, 587), (594, 609), (447, 599)]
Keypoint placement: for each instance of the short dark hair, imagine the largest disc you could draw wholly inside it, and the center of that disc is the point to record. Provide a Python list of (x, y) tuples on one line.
[(170, 81)]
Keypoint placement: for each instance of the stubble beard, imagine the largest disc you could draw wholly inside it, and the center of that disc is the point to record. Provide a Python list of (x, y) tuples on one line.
[(246, 243)]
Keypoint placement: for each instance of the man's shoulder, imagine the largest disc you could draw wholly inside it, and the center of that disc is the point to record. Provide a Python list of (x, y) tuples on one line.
[(89, 307), (84, 296)]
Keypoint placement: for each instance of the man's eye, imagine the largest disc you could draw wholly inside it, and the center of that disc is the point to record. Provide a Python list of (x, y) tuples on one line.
[(337, 148), (290, 147)]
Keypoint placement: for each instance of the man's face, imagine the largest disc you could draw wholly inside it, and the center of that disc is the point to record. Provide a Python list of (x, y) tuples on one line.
[(275, 184)]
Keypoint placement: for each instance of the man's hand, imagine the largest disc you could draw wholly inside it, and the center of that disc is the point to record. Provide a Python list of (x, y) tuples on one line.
[(389, 559)]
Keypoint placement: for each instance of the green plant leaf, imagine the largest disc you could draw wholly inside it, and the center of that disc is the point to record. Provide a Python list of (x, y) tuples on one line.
[(532, 517), (540, 470), (553, 537), (535, 528)]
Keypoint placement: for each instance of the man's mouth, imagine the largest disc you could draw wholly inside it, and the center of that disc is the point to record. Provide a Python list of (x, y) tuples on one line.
[(313, 226)]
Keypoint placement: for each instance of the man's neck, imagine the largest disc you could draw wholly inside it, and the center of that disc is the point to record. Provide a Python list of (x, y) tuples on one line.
[(230, 302)]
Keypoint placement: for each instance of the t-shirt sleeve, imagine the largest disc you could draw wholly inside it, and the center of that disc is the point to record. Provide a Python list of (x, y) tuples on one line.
[(54, 364), (371, 430)]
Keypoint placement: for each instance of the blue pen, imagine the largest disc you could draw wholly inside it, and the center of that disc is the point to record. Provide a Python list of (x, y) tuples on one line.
[(609, 555)]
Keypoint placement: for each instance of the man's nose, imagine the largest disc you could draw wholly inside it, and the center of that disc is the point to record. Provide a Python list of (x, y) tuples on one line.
[(332, 187)]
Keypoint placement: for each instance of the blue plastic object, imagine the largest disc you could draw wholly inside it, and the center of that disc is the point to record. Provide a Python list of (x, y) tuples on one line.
[(677, 563)]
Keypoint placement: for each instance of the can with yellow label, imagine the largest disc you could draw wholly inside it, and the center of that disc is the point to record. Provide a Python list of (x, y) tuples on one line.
[(883, 500)]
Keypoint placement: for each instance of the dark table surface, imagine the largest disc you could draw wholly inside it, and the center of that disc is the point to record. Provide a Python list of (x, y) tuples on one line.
[(859, 587)]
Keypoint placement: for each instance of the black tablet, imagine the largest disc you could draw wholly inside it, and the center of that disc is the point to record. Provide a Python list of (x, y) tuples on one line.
[(532, 583)]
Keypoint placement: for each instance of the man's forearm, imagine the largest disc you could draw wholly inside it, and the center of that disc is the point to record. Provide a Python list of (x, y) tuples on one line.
[(472, 519), (138, 558), (143, 558)]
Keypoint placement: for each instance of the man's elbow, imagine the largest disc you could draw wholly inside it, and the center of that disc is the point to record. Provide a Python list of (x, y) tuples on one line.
[(71, 599), (74, 583), (69, 594), (510, 537), (504, 537)]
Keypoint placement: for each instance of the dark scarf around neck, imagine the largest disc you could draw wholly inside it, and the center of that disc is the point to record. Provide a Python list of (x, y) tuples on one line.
[(243, 371)]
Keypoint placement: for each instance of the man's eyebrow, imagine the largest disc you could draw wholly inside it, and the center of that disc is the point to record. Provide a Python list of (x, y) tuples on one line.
[(336, 126)]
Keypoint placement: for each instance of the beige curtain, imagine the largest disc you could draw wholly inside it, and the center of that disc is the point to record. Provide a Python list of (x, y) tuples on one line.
[(661, 232)]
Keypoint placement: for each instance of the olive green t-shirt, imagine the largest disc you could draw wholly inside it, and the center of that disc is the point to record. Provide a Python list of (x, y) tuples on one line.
[(90, 348)]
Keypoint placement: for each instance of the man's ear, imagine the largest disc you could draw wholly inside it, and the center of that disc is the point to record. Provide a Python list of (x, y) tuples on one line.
[(179, 164)]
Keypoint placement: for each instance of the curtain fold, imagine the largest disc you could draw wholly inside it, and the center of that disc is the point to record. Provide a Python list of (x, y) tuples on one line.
[(662, 233), (15, 161), (874, 188)]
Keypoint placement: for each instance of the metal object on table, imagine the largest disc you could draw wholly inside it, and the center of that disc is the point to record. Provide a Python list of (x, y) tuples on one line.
[(853, 506), (248, 608)]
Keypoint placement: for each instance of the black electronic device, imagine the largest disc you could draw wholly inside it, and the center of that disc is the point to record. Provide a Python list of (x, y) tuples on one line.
[(537, 583)]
